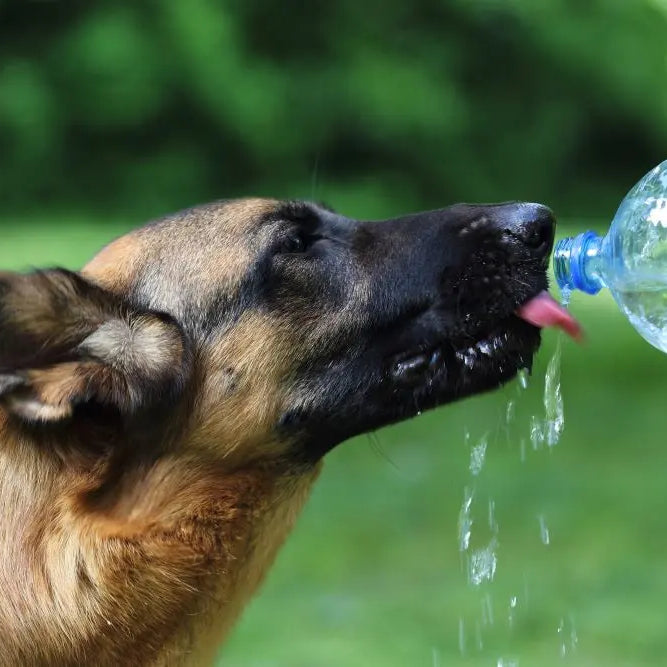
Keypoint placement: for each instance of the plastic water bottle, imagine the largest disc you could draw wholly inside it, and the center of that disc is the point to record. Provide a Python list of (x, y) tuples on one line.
[(631, 260)]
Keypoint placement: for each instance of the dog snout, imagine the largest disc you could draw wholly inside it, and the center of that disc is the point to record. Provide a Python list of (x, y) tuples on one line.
[(526, 228)]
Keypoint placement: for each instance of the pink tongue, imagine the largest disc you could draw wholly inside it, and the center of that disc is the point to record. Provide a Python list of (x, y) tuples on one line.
[(544, 311)]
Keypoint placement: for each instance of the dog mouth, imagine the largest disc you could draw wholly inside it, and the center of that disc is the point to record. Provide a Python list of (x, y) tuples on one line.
[(468, 365)]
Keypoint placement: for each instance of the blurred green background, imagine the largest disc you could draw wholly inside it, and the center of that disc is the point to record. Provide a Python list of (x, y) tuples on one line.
[(113, 113)]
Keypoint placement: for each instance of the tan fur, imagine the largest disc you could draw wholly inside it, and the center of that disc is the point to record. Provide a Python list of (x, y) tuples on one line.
[(126, 252), (258, 370), (123, 557), (218, 253), (159, 585)]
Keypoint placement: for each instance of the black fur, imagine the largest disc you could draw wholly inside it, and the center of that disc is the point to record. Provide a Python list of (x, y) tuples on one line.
[(438, 284)]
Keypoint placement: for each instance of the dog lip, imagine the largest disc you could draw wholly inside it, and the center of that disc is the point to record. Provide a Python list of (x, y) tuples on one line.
[(491, 348), (506, 346), (423, 366), (414, 364), (411, 368)]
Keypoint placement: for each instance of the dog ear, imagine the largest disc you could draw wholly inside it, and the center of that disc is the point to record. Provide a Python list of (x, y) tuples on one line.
[(65, 341)]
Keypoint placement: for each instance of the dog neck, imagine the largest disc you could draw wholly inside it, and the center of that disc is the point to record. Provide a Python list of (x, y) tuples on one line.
[(159, 579)]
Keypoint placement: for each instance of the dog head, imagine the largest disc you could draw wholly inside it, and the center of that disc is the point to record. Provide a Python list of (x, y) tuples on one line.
[(258, 329)]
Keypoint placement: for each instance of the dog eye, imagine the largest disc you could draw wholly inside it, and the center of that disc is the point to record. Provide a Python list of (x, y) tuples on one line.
[(293, 244)]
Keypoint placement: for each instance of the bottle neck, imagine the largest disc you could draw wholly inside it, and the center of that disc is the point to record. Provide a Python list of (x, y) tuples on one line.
[(577, 261)]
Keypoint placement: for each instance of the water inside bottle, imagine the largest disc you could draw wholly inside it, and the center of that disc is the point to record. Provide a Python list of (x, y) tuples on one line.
[(644, 303)]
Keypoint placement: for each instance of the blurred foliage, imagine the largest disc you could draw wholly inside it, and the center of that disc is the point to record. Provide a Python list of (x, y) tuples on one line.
[(148, 105)]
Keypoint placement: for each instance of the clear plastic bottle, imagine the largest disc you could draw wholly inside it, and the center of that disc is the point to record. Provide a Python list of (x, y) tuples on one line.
[(631, 260)]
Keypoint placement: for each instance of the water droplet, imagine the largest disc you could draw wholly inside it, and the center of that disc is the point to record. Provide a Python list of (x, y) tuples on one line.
[(478, 454), (565, 296), (536, 432), (522, 450), (468, 358), (523, 376), (553, 399), (509, 412), (465, 520), (485, 348), (507, 662), (483, 564), (574, 639), (567, 636), (544, 530), (512, 610)]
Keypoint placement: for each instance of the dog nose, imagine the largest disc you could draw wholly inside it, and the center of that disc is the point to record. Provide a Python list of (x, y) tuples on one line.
[(528, 227)]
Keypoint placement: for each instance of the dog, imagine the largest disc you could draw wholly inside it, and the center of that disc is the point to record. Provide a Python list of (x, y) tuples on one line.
[(165, 411)]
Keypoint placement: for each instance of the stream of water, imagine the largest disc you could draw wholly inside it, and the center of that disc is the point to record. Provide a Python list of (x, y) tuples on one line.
[(481, 563)]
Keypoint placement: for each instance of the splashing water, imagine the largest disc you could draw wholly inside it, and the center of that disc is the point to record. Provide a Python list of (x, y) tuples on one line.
[(514, 600), (480, 564), (553, 399), (483, 564), (480, 556), (465, 520), (510, 411), (554, 416), (550, 428), (565, 296), (536, 432), (544, 530), (567, 635), (478, 455)]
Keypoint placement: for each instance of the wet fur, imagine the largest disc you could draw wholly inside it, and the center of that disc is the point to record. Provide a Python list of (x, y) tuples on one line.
[(149, 466)]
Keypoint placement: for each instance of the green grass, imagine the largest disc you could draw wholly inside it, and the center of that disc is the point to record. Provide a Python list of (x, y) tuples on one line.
[(372, 574)]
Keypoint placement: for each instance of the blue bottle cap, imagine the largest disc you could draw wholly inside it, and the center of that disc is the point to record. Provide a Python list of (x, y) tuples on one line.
[(571, 257)]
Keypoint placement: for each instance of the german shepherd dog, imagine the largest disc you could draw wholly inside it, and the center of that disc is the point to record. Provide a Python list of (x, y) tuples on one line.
[(164, 412)]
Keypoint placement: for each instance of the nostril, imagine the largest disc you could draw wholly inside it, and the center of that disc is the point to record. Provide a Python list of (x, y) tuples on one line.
[(537, 230), (538, 235)]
